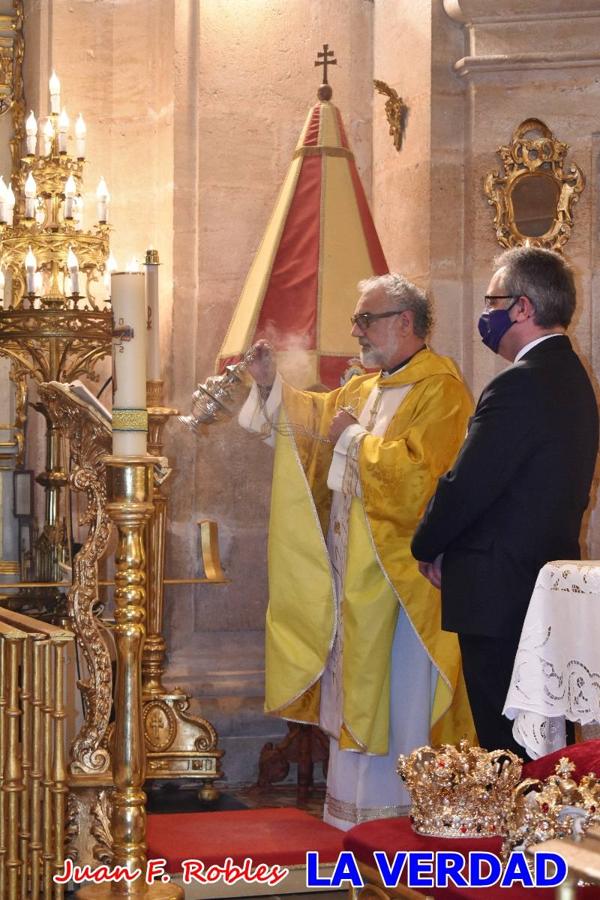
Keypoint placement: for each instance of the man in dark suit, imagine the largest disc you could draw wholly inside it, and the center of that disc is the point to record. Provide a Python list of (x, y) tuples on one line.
[(517, 493)]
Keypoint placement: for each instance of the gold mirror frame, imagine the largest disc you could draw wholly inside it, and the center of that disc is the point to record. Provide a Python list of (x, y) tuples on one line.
[(534, 151)]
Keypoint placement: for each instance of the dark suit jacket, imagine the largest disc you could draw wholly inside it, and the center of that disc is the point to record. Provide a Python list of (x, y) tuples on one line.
[(516, 496)]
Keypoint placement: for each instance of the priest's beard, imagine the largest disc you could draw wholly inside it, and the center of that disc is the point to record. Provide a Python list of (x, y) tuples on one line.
[(377, 357)]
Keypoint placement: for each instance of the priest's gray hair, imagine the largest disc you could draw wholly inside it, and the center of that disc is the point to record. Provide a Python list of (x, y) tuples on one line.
[(544, 278), (403, 294)]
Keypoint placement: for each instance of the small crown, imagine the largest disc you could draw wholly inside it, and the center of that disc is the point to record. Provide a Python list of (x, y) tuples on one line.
[(460, 791), (557, 807)]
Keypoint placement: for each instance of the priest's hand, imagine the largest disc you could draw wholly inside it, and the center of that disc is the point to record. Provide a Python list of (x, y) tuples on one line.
[(340, 422), (433, 571), (262, 367)]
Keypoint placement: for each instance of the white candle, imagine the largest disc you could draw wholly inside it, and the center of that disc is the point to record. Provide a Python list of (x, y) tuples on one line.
[(130, 418), (54, 85), (63, 127), (48, 137), (70, 191), (30, 195), (32, 129), (10, 204), (78, 213), (2, 284), (3, 199), (30, 267), (102, 198), (80, 131), (73, 267), (153, 358)]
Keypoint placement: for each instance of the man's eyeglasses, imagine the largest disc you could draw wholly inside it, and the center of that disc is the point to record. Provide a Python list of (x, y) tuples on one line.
[(364, 320), (489, 301)]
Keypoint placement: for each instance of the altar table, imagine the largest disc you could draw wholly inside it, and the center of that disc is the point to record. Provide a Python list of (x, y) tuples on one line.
[(556, 675)]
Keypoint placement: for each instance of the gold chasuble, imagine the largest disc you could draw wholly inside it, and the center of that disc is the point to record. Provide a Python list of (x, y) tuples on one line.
[(398, 474)]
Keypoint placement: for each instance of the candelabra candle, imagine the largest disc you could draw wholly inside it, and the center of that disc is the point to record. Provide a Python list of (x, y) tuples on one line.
[(153, 358), (78, 213), (48, 137), (38, 284), (63, 126), (73, 267), (30, 195), (54, 85), (3, 199), (80, 131), (2, 284), (32, 129), (130, 418), (70, 191), (10, 205), (102, 198), (30, 267)]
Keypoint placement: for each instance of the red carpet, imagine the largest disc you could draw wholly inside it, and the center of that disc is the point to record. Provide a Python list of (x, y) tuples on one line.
[(271, 836)]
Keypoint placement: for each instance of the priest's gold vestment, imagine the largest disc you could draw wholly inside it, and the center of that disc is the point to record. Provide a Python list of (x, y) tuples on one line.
[(397, 474)]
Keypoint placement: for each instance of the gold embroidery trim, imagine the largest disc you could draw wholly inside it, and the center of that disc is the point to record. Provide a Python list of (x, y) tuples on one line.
[(323, 151), (350, 812), (130, 419)]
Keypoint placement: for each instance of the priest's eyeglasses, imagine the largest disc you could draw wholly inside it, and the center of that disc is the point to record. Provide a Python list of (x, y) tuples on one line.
[(490, 300), (364, 320)]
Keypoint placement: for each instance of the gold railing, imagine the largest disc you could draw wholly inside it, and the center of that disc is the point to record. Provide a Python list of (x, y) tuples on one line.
[(33, 785)]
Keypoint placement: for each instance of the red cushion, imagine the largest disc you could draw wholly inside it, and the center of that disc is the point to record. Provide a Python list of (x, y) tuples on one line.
[(586, 757), (391, 835), (271, 836)]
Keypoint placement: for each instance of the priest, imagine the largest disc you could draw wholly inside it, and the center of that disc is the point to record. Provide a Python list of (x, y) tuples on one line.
[(353, 636)]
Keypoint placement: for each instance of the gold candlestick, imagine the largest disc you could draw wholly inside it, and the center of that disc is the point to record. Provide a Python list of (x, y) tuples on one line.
[(153, 656), (130, 507)]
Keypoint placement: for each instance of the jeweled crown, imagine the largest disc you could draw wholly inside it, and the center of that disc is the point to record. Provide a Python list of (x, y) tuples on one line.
[(461, 791)]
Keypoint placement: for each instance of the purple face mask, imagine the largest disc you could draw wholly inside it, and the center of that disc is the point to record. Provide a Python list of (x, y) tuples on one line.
[(493, 326)]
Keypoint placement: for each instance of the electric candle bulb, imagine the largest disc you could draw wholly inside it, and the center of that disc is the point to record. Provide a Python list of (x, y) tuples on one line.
[(54, 84), (80, 132), (109, 267), (73, 267), (10, 204), (133, 265), (30, 194), (2, 283), (30, 267), (78, 213), (48, 137), (70, 191), (102, 198), (63, 125), (31, 128), (38, 282)]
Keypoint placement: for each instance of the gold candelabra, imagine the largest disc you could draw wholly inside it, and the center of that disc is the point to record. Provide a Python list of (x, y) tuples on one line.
[(55, 313), (130, 507)]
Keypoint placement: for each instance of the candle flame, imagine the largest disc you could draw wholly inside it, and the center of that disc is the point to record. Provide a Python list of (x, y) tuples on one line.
[(2, 279), (63, 121), (30, 261), (31, 125), (80, 129), (48, 130), (54, 83), (3, 189), (30, 186), (102, 191), (72, 262), (70, 187), (10, 196), (111, 264), (133, 265)]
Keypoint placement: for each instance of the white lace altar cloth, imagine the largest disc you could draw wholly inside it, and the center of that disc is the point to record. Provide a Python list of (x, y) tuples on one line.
[(557, 668)]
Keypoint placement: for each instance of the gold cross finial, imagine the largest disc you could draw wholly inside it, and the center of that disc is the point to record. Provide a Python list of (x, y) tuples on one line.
[(323, 59)]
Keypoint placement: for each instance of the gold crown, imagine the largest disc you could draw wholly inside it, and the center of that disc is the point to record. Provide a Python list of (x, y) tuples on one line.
[(460, 791), (557, 807)]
